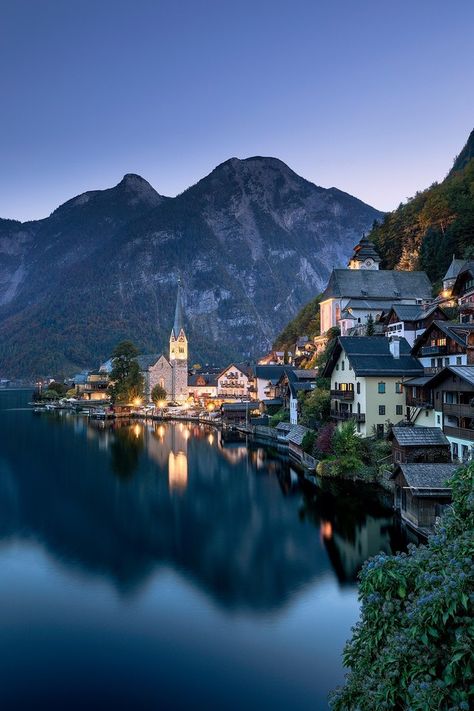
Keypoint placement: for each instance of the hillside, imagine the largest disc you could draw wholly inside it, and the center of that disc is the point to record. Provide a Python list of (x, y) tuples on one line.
[(425, 232), (252, 242)]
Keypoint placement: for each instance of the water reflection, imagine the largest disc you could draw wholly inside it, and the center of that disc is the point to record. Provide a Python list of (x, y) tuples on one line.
[(234, 519)]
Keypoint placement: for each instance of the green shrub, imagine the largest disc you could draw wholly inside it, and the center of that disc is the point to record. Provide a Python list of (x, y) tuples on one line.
[(412, 648)]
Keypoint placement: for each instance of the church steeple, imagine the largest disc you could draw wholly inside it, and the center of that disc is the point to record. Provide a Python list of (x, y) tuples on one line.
[(178, 340), (364, 255)]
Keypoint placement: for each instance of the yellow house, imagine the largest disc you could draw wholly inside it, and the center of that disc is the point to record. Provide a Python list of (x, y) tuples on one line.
[(367, 377)]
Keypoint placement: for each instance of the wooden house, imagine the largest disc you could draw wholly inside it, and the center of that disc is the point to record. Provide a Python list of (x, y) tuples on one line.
[(419, 444), (421, 493)]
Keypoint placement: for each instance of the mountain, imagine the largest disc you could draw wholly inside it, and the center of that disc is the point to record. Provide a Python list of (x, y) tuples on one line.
[(425, 232), (251, 242)]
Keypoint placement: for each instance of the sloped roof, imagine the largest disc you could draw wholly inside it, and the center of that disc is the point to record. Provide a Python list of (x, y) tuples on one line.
[(466, 271), (377, 283), (209, 378), (146, 361), (365, 249), (454, 268), (244, 368), (419, 436), (465, 372), (427, 476), (284, 426), (271, 372), (178, 324), (413, 312), (239, 406), (456, 331), (367, 304), (297, 433), (371, 355)]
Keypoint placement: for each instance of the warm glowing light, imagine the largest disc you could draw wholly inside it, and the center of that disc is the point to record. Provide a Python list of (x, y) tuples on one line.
[(161, 404), (210, 439), (326, 530), (161, 431), (177, 471), (137, 430), (137, 401), (211, 406)]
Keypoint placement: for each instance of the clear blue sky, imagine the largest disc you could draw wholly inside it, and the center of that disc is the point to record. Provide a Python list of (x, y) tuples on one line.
[(375, 98)]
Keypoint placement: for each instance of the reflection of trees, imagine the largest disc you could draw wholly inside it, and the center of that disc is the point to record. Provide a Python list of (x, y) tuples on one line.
[(125, 449)]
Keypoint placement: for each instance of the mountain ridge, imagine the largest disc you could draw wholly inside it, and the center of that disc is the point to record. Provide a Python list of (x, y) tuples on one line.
[(251, 241)]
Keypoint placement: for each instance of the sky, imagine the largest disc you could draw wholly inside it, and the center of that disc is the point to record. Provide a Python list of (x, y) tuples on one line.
[(374, 98)]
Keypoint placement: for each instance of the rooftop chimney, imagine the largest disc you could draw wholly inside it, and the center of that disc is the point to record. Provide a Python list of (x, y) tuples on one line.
[(395, 347)]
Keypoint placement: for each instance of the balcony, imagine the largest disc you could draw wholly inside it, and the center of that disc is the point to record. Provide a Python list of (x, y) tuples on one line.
[(434, 350), (459, 432), (419, 402), (342, 394), (346, 415), (458, 410)]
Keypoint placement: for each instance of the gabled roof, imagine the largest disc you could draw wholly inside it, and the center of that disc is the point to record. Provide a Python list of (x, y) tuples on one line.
[(456, 331), (272, 372), (427, 476), (415, 312), (296, 387), (380, 284), (454, 268), (146, 361), (464, 372), (209, 378), (466, 272), (244, 368), (371, 356), (419, 436)]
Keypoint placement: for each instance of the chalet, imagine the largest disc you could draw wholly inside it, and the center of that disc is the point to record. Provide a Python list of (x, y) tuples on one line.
[(364, 290), (419, 444), (444, 343), (238, 413), (453, 404), (421, 493), (292, 386), (235, 381), (202, 386), (367, 381), (267, 378), (463, 291), (410, 321)]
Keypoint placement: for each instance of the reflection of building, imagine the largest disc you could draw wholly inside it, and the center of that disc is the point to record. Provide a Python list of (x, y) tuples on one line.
[(177, 470)]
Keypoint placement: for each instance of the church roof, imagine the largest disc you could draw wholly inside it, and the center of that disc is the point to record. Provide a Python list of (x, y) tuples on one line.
[(365, 250), (454, 268), (146, 361), (380, 284), (178, 324)]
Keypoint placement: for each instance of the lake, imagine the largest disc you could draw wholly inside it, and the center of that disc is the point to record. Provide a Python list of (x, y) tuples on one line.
[(157, 566)]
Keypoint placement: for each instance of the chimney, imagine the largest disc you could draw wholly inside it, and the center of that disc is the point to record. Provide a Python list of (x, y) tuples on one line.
[(395, 347)]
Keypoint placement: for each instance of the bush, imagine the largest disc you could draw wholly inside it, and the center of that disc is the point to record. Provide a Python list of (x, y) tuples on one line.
[(280, 416), (412, 648), (308, 442)]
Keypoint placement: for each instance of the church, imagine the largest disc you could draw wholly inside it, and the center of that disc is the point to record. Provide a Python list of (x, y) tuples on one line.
[(170, 373), (363, 290)]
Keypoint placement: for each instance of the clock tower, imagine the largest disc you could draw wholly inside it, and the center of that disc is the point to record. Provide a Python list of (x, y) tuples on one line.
[(364, 256)]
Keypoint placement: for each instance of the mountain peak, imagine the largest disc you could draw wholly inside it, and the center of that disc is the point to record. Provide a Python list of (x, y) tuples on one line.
[(465, 156)]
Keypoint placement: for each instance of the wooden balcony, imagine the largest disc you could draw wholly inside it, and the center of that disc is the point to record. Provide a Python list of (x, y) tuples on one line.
[(342, 394), (346, 415), (458, 410), (434, 350), (459, 432)]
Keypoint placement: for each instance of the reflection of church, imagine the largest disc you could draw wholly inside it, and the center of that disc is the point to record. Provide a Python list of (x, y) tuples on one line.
[(171, 374), (168, 446)]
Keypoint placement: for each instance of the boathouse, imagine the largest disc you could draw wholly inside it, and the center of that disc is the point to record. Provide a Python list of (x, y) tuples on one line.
[(421, 493), (419, 444)]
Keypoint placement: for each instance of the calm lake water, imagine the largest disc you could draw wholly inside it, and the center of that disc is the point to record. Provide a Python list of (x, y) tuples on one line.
[(156, 566)]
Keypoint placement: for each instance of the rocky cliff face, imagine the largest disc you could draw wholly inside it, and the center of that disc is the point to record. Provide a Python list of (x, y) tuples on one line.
[(251, 243)]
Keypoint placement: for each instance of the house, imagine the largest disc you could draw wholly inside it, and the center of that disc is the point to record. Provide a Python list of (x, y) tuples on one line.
[(410, 321), (276, 358), (267, 378), (235, 381), (367, 381), (421, 493), (92, 385), (463, 291), (451, 275), (364, 290), (444, 343), (202, 386), (419, 444), (292, 386), (238, 413), (453, 404), (295, 439)]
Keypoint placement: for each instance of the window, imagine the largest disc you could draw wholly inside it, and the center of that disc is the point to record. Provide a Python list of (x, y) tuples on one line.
[(438, 419), (458, 360), (455, 450), (337, 366), (398, 388), (446, 361), (399, 409), (358, 388), (426, 413), (343, 365), (381, 409), (433, 363), (381, 388)]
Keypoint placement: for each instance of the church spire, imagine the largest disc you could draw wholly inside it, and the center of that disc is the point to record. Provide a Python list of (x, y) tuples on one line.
[(178, 313), (364, 256)]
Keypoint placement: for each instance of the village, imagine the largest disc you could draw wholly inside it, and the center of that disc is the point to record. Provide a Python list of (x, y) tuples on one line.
[(392, 364)]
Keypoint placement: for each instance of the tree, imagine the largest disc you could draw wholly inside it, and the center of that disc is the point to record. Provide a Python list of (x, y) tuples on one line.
[(315, 407), (309, 439), (370, 330), (158, 394), (412, 647), (324, 440), (127, 380), (58, 388), (347, 447)]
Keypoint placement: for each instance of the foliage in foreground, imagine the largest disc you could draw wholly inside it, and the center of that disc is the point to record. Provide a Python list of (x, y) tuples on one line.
[(412, 648)]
